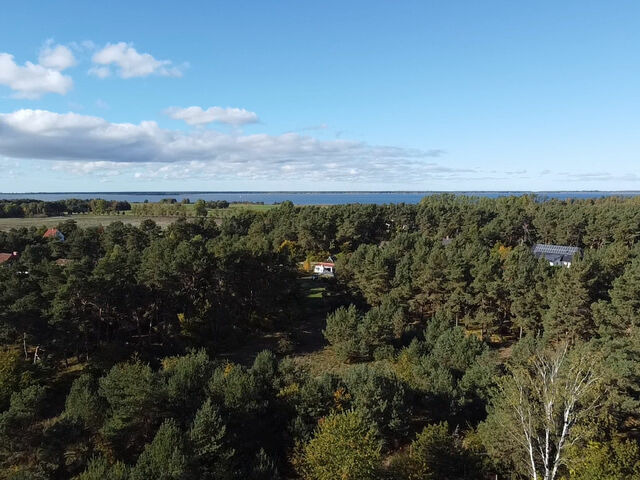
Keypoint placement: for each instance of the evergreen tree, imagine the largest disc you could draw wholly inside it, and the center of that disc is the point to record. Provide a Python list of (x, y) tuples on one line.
[(207, 436), (164, 458)]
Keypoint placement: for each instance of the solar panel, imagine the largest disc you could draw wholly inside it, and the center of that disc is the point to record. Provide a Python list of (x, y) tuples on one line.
[(542, 248), (554, 253)]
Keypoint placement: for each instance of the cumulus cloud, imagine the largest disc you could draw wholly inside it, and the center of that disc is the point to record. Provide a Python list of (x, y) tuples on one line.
[(100, 72), (56, 57), (85, 145), (86, 168), (198, 116), (33, 80), (130, 63)]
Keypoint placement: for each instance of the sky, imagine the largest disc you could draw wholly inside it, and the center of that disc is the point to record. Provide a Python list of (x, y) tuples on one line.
[(330, 95)]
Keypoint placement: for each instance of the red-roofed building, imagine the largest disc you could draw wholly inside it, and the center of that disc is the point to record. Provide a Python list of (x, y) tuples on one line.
[(54, 233), (7, 257), (324, 268)]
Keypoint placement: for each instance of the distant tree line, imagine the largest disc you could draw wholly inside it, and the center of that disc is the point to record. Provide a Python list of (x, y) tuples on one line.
[(20, 208)]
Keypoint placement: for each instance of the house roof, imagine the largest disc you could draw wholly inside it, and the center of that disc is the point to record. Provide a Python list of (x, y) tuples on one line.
[(52, 232), (63, 262), (555, 253), (324, 264), (5, 257)]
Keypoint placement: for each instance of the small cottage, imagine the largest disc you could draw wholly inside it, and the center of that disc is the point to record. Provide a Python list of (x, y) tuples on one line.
[(556, 255), (324, 268), (8, 257), (54, 233)]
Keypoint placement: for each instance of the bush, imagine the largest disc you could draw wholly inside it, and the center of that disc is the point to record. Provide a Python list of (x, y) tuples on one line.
[(437, 454), (343, 447), (10, 369)]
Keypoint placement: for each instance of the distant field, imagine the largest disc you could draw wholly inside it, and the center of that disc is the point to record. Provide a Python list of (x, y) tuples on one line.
[(249, 206), (96, 220), (81, 220)]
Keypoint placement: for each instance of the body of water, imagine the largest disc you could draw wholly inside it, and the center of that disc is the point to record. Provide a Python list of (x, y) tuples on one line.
[(301, 198)]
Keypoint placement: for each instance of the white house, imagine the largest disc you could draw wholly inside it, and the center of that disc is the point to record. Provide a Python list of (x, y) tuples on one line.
[(324, 268)]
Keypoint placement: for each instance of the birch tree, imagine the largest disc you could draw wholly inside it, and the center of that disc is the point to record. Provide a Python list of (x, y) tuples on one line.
[(542, 405)]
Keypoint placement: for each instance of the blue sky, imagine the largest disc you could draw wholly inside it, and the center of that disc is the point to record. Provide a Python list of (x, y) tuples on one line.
[(292, 95)]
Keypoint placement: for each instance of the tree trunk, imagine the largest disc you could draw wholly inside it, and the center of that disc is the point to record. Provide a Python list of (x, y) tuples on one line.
[(24, 346)]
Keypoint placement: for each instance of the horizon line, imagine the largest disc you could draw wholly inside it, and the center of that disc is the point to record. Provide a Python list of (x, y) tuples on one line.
[(172, 192)]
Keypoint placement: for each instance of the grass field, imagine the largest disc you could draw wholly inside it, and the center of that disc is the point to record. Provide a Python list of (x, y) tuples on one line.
[(82, 221), (250, 206), (89, 220)]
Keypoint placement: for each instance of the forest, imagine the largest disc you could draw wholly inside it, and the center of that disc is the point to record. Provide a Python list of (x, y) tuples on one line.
[(26, 207), (442, 348)]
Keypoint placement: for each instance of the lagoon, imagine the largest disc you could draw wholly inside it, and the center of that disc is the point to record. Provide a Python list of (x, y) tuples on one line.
[(304, 198)]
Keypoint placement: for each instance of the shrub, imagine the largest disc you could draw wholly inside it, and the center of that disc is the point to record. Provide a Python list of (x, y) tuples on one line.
[(343, 447)]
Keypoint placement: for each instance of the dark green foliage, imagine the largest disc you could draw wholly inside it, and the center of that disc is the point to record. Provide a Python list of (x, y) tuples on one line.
[(454, 371), (437, 454), (209, 444), (185, 379), (134, 397), (356, 336), (116, 344), (14, 373), (381, 399), (83, 404), (99, 468), (164, 458), (29, 208), (569, 311), (342, 332)]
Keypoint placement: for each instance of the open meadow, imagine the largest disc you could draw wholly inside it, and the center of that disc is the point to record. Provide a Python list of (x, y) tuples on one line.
[(91, 220)]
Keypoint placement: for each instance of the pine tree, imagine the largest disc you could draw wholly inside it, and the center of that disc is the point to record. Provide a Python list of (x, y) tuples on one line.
[(207, 436), (625, 296), (164, 457), (569, 300)]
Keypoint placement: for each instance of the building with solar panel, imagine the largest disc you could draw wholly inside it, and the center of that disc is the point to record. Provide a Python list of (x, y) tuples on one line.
[(556, 255)]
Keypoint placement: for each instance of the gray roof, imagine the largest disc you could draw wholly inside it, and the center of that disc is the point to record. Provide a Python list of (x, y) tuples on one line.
[(555, 253)]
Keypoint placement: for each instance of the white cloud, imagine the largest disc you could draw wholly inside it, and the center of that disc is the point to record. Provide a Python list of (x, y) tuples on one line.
[(91, 145), (198, 116), (83, 46), (100, 72), (87, 168), (130, 63), (34, 80), (56, 57)]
